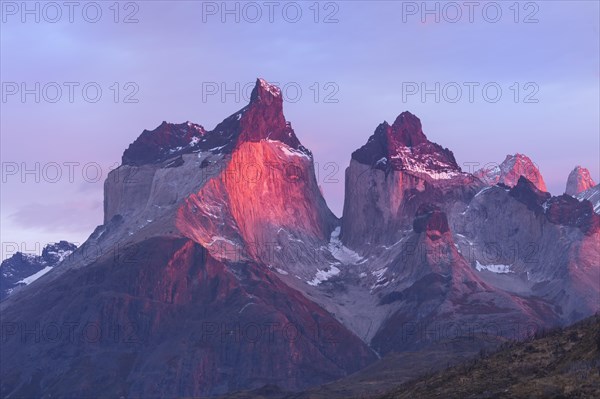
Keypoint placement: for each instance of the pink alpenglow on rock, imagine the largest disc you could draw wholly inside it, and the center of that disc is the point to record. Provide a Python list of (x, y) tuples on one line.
[(509, 171), (579, 180)]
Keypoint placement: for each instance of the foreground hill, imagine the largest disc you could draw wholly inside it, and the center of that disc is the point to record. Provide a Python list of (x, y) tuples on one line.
[(564, 363)]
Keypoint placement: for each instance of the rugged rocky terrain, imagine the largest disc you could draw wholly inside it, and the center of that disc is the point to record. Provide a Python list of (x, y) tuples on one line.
[(220, 268), (22, 269), (592, 195)]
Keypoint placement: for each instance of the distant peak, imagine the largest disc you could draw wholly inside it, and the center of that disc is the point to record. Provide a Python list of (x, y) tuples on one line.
[(510, 170), (579, 180), (517, 156)]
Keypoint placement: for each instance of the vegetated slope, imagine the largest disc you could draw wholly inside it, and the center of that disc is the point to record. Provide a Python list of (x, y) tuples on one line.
[(562, 363)]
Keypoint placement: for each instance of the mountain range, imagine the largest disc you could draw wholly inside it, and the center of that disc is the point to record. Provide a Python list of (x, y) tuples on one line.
[(22, 269), (220, 268)]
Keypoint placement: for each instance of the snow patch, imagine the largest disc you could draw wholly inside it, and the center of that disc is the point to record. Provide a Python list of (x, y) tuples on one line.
[(493, 268), (340, 252), (425, 164), (62, 254), (33, 277), (379, 273), (482, 191), (287, 150), (274, 90), (382, 161), (324, 275), (245, 306), (293, 153), (219, 238), (592, 195)]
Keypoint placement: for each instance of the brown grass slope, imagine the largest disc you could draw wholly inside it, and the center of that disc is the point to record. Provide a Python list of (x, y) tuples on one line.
[(562, 363)]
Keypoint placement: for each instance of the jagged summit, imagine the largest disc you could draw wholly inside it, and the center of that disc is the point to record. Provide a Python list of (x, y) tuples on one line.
[(404, 146), (212, 237), (261, 119), (264, 91), (167, 140), (510, 170), (22, 269), (407, 131), (579, 180)]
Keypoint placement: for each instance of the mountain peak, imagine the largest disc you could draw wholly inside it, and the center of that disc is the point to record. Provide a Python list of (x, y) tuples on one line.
[(579, 180), (403, 146), (23, 268), (167, 140), (264, 91), (263, 119), (406, 130), (510, 170)]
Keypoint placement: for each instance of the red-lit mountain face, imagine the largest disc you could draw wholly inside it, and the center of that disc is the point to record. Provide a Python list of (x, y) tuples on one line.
[(174, 321), (219, 266), (579, 180), (197, 236), (510, 170)]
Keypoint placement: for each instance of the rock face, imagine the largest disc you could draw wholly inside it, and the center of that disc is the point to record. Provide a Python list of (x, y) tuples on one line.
[(271, 167), (579, 180), (429, 219), (567, 211), (436, 297), (219, 266), (530, 244), (22, 269), (389, 177), (175, 322), (592, 195), (164, 142), (527, 193), (510, 170), (188, 262)]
